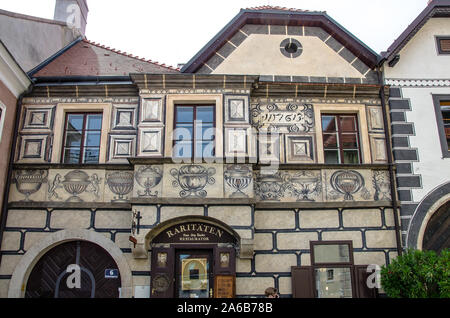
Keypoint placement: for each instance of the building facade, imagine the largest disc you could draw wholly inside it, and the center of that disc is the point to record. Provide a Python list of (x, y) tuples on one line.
[(263, 162), (416, 68)]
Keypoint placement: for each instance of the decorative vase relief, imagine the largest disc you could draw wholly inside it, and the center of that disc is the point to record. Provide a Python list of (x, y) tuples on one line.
[(148, 177), (348, 182), (121, 184), (270, 186), (382, 186), (193, 179), (239, 178), (29, 182), (283, 117), (304, 184), (75, 183)]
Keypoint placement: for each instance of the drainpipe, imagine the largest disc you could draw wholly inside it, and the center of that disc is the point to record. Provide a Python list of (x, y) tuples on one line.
[(386, 123), (4, 211)]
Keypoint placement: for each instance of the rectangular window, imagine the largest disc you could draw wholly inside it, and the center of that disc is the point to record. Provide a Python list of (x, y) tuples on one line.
[(443, 44), (341, 139), (82, 132), (445, 110), (442, 112), (333, 266), (194, 132)]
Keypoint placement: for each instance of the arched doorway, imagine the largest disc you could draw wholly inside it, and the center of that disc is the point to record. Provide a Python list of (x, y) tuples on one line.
[(75, 269), (193, 257), (437, 232)]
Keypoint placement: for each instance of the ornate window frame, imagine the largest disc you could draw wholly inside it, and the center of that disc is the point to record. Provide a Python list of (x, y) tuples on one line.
[(360, 111), (63, 108), (213, 99)]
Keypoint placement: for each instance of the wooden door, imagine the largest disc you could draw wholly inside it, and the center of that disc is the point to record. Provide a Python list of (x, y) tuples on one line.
[(99, 274)]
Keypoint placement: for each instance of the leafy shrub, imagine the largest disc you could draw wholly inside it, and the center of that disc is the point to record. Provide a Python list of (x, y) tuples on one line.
[(418, 274)]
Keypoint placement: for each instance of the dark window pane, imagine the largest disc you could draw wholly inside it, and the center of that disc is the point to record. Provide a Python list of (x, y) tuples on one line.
[(75, 122), (91, 155), (183, 132), (329, 123), (349, 141), (73, 139), (72, 155), (92, 139), (330, 141), (351, 156), (185, 114), (331, 156), (94, 122), (205, 114), (182, 149), (348, 123)]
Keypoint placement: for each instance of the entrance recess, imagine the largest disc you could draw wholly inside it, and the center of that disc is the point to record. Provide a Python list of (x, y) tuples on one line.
[(53, 274), (193, 259)]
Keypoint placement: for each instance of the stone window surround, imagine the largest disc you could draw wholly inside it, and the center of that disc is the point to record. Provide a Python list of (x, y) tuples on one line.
[(172, 100), (437, 99), (438, 44), (27, 262), (63, 108), (360, 111)]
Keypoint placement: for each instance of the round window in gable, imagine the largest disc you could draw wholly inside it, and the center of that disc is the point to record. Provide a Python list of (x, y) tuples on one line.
[(291, 48)]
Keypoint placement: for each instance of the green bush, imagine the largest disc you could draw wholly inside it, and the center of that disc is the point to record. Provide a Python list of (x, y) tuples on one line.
[(418, 274)]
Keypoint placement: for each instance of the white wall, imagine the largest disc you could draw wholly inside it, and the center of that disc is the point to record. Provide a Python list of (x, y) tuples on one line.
[(419, 58), (434, 169)]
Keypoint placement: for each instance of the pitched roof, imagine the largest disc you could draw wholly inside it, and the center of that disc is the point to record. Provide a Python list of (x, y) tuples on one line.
[(86, 58), (277, 8), (435, 8), (282, 16)]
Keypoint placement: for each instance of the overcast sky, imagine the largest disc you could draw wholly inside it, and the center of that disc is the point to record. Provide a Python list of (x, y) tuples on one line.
[(173, 31)]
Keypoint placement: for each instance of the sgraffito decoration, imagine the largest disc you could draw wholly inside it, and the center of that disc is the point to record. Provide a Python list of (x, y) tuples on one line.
[(192, 179), (238, 177), (29, 181), (347, 182), (121, 184), (148, 177), (75, 183), (283, 117), (304, 184)]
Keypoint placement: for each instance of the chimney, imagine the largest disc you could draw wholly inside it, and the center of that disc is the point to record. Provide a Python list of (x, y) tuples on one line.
[(72, 12)]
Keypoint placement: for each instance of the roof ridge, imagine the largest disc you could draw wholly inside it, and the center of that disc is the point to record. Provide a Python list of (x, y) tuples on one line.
[(269, 7), (130, 55)]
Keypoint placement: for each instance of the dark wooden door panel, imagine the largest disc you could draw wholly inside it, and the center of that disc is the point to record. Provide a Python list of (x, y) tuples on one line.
[(49, 276)]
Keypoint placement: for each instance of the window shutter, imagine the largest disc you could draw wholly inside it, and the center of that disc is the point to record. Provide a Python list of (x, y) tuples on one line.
[(445, 45), (302, 282), (362, 290)]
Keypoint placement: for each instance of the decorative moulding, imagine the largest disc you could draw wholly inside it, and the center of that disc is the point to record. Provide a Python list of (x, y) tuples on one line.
[(418, 82)]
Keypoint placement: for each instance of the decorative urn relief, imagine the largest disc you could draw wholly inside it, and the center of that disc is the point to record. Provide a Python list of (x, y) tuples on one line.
[(270, 186), (120, 183), (347, 182), (75, 183), (29, 181), (239, 178), (304, 184), (148, 177), (192, 179)]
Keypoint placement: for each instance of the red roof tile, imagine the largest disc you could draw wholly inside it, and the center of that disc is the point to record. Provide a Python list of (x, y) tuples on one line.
[(278, 8), (87, 58)]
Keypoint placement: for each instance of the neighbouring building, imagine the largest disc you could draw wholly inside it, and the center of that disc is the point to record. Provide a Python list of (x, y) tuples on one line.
[(13, 83), (264, 161), (417, 68)]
